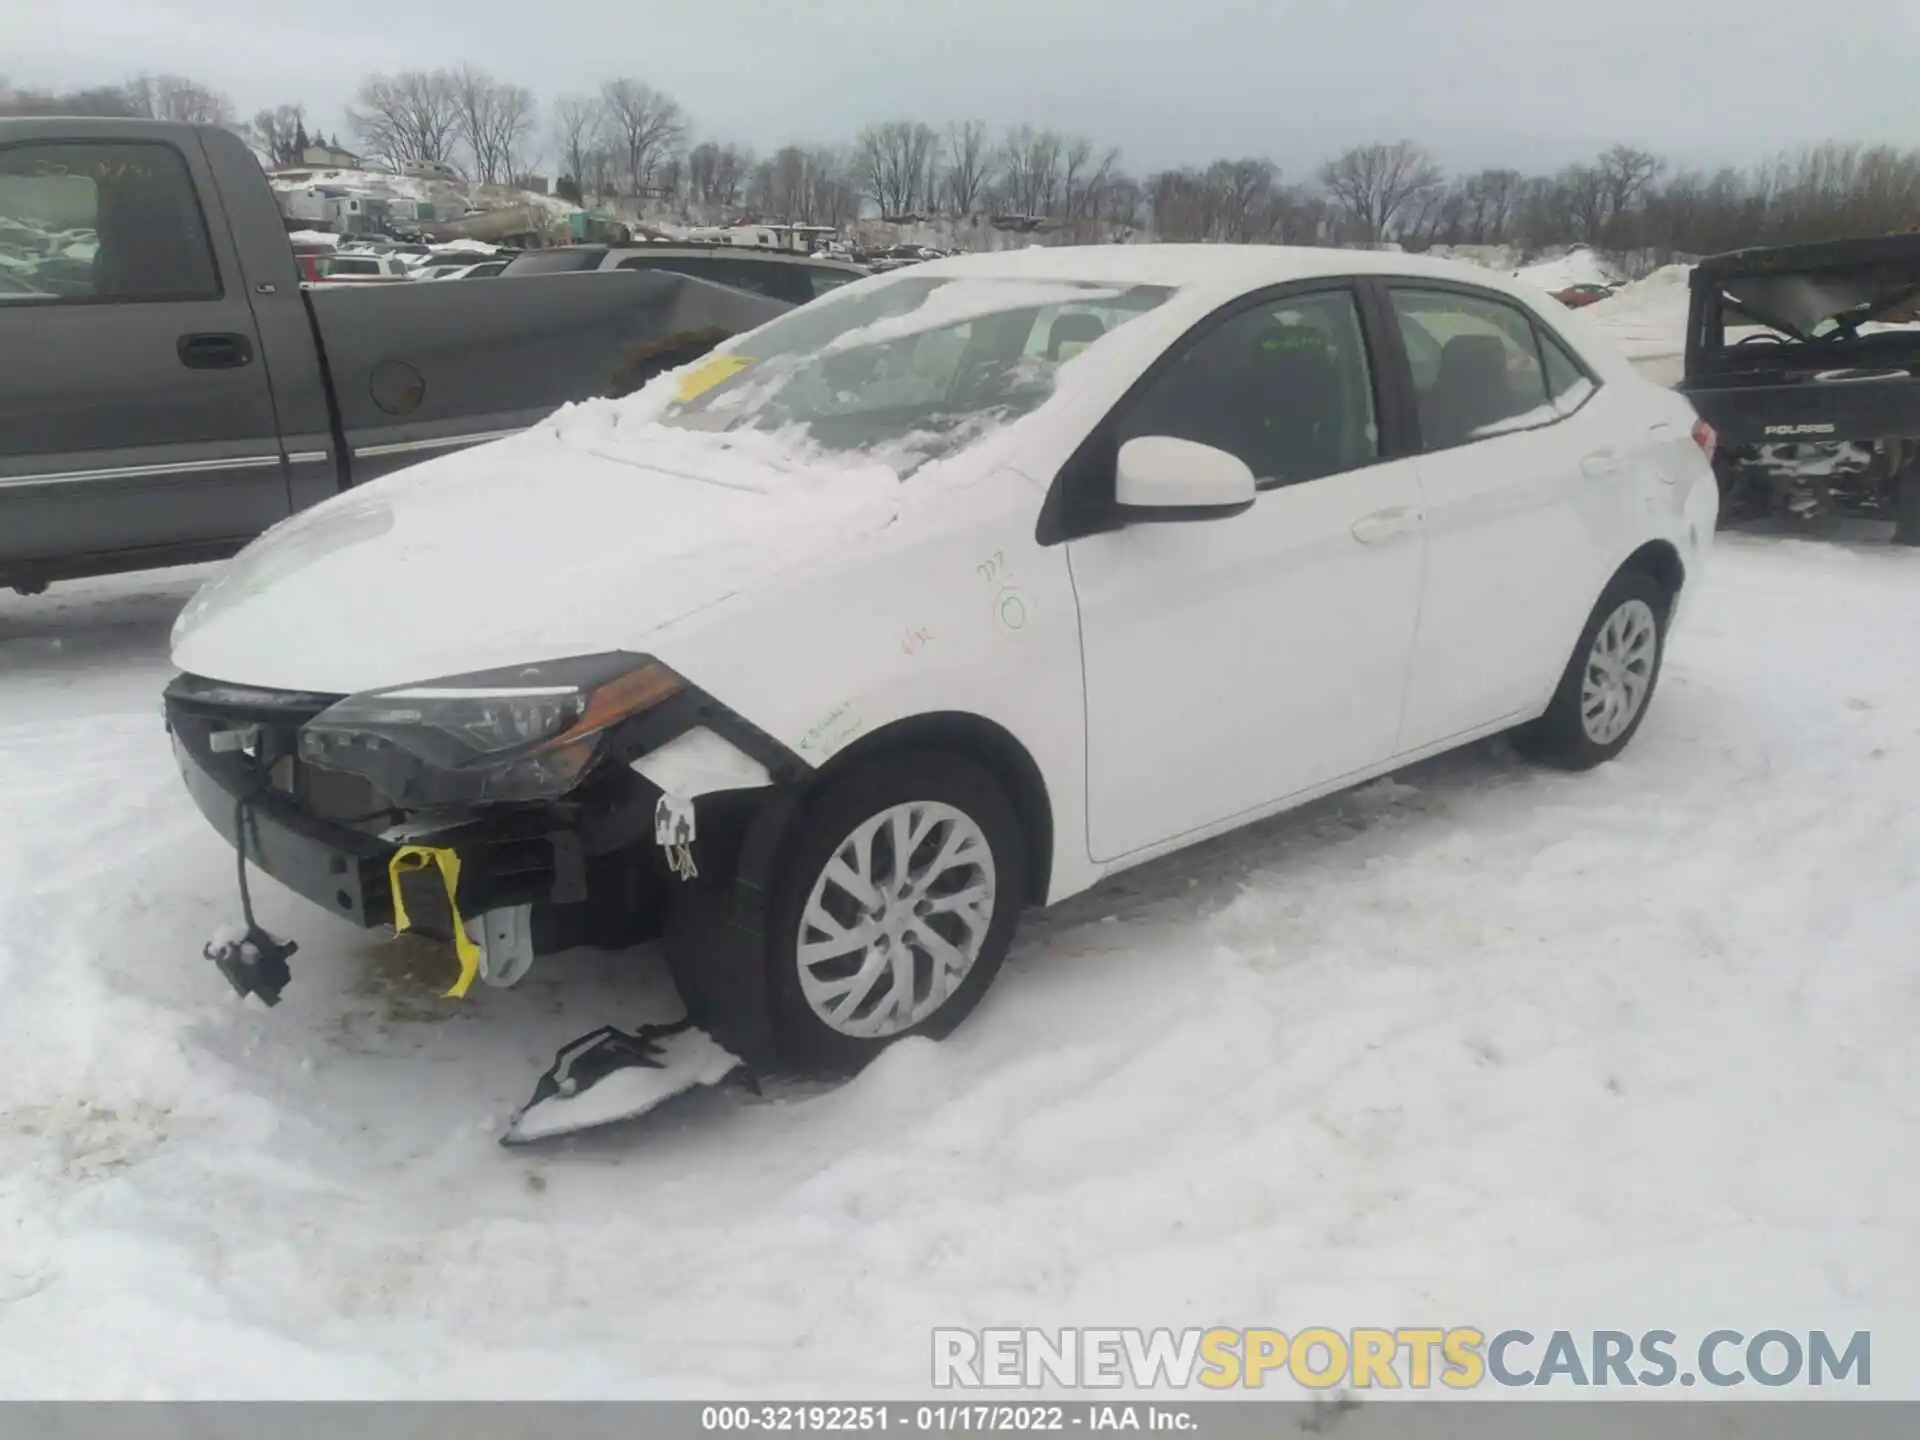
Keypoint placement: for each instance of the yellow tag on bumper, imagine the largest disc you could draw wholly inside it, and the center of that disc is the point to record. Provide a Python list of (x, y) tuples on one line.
[(703, 377), (419, 857)]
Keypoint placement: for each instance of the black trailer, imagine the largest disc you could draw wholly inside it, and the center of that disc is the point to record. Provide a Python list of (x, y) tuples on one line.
[(1805, 359)]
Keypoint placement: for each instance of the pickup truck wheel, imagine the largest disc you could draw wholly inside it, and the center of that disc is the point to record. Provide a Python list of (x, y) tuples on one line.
[(1609, 681), (893, 910)]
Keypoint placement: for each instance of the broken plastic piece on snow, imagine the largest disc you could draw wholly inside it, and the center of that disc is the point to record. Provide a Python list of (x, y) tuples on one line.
[(612, 1074), (254, 962)]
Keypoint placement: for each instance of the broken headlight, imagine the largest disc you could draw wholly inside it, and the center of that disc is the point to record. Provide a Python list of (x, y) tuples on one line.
[(530, 732)]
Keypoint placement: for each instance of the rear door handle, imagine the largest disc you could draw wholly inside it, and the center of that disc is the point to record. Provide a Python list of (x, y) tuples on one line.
[(1600, 462), (1386, 524), (215, 352)]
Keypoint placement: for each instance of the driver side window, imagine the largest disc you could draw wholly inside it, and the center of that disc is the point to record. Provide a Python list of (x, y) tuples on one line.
[(1285, 386)]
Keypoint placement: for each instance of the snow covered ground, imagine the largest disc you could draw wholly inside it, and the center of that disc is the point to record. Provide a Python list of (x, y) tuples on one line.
[(1475, 1045)]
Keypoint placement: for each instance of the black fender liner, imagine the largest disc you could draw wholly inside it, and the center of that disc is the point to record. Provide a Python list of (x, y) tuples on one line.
[(716, 934)]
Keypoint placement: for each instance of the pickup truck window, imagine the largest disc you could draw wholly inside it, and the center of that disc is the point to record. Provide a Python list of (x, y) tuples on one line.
[(101, 222)]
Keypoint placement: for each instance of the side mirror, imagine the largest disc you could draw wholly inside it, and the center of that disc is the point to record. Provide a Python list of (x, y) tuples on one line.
[(1161, 478)]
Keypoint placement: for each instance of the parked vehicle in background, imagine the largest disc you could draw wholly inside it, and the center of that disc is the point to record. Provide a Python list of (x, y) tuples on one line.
[(182, 389), (349, 265), (876, 631), (1806, 360), (783, 275), (1576, 296)]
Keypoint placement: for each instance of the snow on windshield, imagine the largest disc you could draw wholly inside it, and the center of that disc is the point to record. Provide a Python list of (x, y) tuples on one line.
[(904, 373)]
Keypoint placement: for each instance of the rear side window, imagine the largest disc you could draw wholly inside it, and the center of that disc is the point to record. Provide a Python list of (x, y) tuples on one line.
[(1567, 384), (825, 279), (1476, 362), (101, 222)]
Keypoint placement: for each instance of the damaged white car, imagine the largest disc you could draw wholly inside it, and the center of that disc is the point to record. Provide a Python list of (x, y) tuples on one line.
[(946, 595)]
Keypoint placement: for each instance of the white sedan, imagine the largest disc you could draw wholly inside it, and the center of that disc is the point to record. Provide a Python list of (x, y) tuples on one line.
[(943, 596)]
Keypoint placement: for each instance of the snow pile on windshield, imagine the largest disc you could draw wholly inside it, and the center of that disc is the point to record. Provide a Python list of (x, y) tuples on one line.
[(907, 372), (960, 301)]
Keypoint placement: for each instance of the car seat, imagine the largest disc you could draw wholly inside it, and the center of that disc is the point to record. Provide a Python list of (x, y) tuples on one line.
[(1470, 391)]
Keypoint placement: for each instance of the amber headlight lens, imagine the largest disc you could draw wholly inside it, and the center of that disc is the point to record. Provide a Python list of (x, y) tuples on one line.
[(526, 733)]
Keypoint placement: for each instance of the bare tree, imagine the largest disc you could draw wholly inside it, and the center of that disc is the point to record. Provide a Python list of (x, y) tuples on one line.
[(412, 116), (579, 129), (1029, 170), (643, 124), (107, 101), (494, 120), (1371, 185), (968, 165), (717, 173), (174, 97), (1625, 173), (280, 132), (896, 162)]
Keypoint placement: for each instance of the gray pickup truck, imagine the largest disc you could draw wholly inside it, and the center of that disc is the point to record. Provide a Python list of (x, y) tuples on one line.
[(169, 387)]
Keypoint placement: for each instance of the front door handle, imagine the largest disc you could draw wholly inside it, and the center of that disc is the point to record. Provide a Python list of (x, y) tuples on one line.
[(215, 352), (1600, 462), (1386, 524)]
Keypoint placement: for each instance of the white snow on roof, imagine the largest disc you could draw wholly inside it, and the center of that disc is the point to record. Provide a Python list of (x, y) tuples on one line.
[(1213, 267)]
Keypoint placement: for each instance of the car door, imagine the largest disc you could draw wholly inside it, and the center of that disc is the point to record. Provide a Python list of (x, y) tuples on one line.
[(1514, 478), (1233, 662), (135, 412)]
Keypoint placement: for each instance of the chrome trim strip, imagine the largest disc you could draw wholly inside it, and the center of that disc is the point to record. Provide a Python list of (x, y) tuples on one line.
[(308, 457), (444, 442), (141, 472)]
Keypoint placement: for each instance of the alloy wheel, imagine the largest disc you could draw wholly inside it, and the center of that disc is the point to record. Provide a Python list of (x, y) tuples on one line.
[(1619, 671), (896, 919)]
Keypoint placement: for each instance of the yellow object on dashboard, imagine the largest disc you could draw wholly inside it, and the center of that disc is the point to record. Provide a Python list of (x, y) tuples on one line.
[(703, 377)]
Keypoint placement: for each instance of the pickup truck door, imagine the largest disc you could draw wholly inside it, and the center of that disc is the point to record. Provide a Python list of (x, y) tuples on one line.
[(137, 418)]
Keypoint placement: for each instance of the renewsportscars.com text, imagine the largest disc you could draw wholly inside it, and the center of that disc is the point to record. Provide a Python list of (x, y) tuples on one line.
[(1456, 1358)]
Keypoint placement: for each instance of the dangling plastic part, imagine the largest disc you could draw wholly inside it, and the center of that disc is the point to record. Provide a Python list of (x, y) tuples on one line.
[(254, 962), (611, 1074)]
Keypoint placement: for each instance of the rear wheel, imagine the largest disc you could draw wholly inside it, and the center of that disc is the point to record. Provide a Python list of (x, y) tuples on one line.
[(1609, 681)]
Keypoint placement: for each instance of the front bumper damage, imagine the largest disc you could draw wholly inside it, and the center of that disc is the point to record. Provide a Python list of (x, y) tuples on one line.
[(503, 884)]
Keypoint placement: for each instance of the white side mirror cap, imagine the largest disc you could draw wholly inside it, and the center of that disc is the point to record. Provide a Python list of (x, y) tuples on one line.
[(1174, 479)]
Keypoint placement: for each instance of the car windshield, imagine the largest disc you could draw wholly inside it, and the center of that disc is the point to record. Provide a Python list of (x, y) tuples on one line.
[(911, 370)]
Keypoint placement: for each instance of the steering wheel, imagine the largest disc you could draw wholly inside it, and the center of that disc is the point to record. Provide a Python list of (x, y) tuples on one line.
[(1765, 337)]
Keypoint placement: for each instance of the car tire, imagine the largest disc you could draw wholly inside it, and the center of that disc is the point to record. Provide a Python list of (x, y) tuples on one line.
[(939, 940), (1609, 681)]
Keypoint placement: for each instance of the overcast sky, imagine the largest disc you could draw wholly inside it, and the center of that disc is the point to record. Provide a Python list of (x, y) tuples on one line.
[(1169, 81)]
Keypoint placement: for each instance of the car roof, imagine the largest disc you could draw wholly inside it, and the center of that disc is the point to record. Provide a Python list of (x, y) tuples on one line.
[(1210, 267)]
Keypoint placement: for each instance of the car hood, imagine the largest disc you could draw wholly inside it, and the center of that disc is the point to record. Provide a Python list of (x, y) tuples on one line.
[(569, 539)]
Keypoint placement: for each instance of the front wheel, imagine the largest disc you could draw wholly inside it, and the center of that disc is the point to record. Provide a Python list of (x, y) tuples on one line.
[(893, 910), (1609, 680)]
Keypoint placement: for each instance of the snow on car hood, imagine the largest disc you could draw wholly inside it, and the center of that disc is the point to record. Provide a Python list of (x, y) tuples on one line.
[(584, 534)]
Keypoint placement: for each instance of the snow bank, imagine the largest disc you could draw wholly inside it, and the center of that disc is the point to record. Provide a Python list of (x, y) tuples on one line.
[(1648, 321), (1578, 266), (1659, 1073)]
